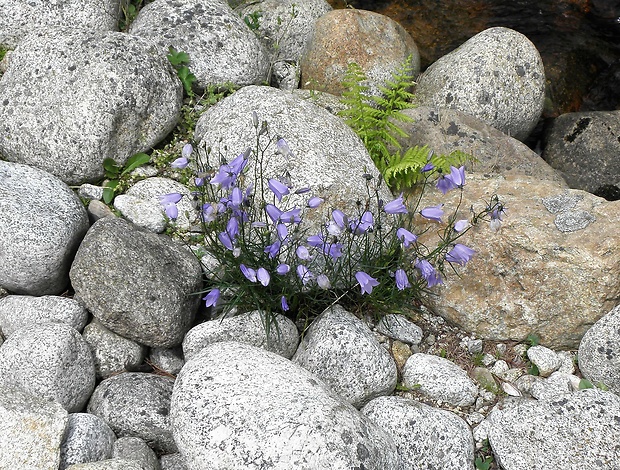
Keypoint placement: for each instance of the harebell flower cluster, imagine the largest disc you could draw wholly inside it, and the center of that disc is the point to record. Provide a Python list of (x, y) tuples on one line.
[(265, 254)]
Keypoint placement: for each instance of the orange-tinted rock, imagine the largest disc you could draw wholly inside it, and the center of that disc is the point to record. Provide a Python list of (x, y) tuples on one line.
[(376, 43), (553, 269)]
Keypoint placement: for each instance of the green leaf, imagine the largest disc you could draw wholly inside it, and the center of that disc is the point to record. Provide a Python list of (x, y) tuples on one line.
[(533, 370), (187, 78), (585, 383), (177, 58), (108, 194), (135, 161), (112, 169)]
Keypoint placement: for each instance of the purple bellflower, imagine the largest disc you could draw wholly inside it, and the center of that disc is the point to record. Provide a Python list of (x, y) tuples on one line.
[(187, 150), (444, 184), (433, 212), (430, 275), (302, 252), (291, 216), (278, 188), (180, 163), (284, 304), (457, 176), (366, 282), (227, 174), (406, 237), (273, 212), (282, 269), (304, 274), (249, 273), (323, 281), (402, 281), (428, 167), (315, 202), (212, 297), (363, 225), (263, 276), (460, 254), (273, 249), (461, 225), (396, 206)]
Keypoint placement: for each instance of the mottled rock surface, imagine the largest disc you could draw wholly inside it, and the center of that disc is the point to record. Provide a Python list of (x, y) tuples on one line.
[(496, 76), (41, 225), (237, 406)]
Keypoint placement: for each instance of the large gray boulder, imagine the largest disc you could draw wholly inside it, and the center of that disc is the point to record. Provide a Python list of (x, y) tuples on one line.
[(18, 18), (18, 311), (125, 98), (31, 430), (599, 352), (446, 130), (342, 351), (41, 225), (136, 283), (496, 76), (50, 360), (221, 47), (575, 430), (87, 439), (136, 404), (249, 328), (426, 437), (326, 155), (285, 26), (238, 406)]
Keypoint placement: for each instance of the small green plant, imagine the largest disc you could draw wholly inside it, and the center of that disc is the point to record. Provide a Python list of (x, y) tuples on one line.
[(115, 173), (585, 383), (3, 52), (253, 20), (484, 459), (129, 12), (533, 339), (180, 61), (375, 120)]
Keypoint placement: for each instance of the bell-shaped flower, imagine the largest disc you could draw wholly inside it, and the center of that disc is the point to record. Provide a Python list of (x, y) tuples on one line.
[(334, 250), (212, 297), (282, 231), (302, 252), (187, 150), (180, 163), (303, 190), (460, 254), (402, 281), (236, 198), (428, 167), (283, 148), (363, 225), (323, 281), (339, 218), (444, 184), (282, 269), (273, 249), (406, 237), (172, 198), (263, 276), (315, 202), (172, 211), (433, 212), (232, 228), (396, 206), (208, 213), (291, 216), (461, 225), (304, 274), (428, 272), (249, 273), (284, 304), (273, 212), (366, 282), (278, 188), (457, 176), (226, 240), (314, 240)]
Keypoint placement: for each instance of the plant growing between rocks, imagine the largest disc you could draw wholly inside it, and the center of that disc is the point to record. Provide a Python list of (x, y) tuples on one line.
[(263, 251), (375, 120)]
